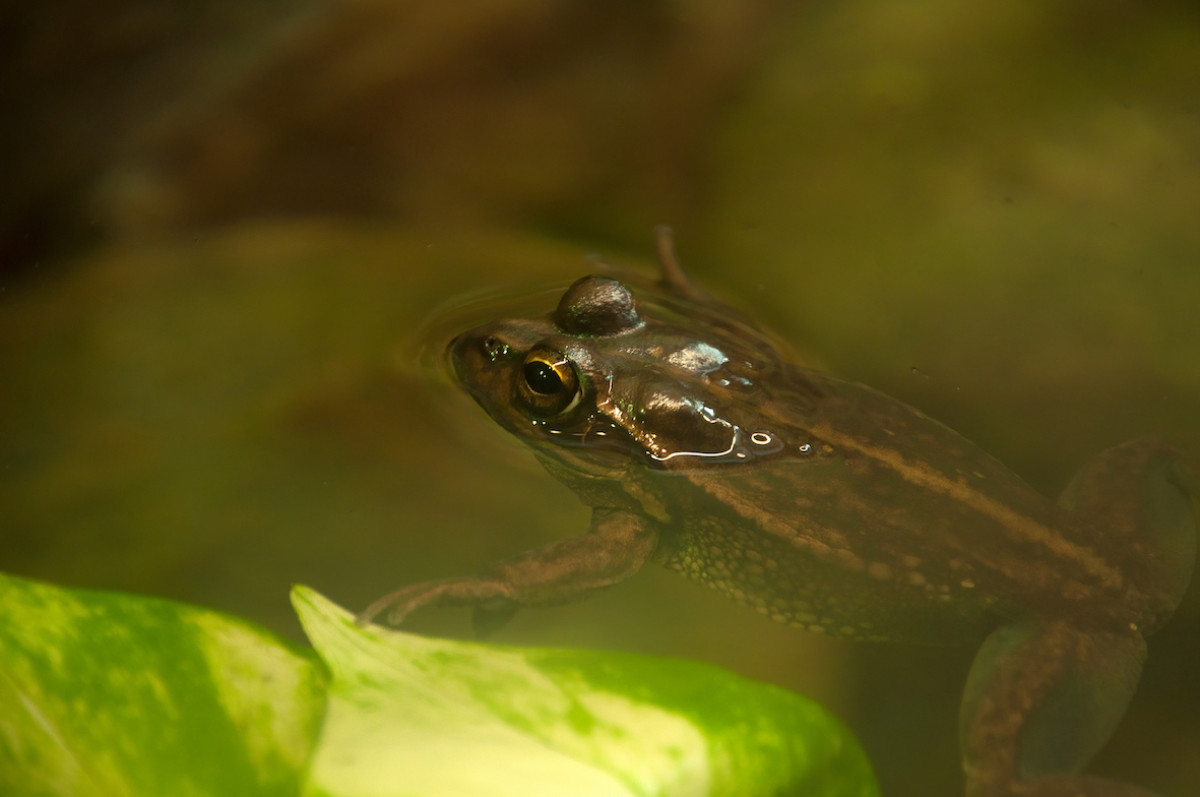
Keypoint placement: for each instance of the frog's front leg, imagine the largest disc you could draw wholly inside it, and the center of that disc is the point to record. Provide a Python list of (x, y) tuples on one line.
[(616, 547), (1042, 698)]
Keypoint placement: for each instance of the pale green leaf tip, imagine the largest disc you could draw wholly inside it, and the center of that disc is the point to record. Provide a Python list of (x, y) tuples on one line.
[(307, 601)]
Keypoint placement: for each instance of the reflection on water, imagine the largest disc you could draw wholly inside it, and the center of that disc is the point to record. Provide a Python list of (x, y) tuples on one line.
[(427, 348)]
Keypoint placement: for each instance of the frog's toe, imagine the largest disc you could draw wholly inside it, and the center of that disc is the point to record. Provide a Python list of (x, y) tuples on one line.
[(398, 605)]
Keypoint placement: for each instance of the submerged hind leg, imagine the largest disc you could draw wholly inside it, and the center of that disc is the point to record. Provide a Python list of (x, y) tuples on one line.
[(1142, 498), (1041, 699), (1045, 693)]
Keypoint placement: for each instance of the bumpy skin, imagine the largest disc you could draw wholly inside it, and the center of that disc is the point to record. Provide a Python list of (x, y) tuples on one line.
[(827, 505)]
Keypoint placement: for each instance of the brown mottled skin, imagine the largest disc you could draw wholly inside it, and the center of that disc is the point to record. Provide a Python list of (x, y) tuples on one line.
[(827, 505)]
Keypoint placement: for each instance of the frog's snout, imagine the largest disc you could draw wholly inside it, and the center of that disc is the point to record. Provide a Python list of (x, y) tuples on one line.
[(456, 354), (473, 358)]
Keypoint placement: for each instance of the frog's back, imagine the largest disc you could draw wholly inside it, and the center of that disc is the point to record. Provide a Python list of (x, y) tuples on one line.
[(891, 525)]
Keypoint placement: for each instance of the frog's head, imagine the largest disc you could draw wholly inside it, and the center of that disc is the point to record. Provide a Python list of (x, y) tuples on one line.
[(598, 385)]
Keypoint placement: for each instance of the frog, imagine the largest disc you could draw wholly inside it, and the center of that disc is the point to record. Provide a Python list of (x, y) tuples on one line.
[(824, 504)]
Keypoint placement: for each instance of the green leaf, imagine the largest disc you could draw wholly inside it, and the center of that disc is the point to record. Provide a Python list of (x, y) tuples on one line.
[(111, 695), (409, 715), (119, 695)]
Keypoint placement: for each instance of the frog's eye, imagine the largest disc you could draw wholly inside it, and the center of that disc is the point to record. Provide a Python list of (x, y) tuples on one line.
[(548, 384)]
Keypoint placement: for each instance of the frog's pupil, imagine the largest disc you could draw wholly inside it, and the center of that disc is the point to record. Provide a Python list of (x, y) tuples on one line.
[(542, 378)]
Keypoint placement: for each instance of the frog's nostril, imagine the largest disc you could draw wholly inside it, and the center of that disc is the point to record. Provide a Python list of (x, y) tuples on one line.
[(494, 348)]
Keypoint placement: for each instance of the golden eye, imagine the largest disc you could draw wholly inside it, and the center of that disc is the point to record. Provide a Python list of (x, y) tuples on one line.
[(548, 384)]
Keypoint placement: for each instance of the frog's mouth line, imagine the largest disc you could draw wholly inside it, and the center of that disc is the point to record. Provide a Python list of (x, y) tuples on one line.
[(568, 466), (606, 447), (602, 450)]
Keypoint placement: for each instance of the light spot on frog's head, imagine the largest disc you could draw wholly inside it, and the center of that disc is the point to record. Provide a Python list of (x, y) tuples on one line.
[(698, 358)]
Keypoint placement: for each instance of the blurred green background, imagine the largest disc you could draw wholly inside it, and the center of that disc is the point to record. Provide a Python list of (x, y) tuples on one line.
[(226, 227)]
